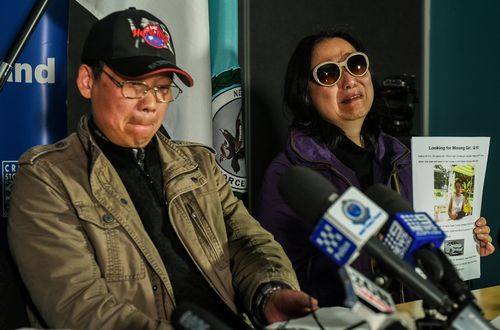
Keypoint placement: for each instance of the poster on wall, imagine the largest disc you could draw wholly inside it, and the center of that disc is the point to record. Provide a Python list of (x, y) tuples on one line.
[(33, 98)]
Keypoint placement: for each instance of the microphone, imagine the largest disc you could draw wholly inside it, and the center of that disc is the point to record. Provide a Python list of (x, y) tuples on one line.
[(7, 65), (350, 219), (421, 238), (305, 190), (416, 238), (187, 316), (408, 231), (371, 302)]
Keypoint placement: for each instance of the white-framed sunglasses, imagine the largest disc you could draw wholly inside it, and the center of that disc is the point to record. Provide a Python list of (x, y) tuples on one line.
[(329, 73)]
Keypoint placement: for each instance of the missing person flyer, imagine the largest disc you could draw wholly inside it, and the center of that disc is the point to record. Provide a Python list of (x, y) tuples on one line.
[(448, 179)]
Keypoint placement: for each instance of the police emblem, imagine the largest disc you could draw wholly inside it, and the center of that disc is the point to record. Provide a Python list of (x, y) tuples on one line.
[(355, 211)]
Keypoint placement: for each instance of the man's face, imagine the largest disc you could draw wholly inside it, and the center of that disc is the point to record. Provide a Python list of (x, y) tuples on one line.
[(126, 122)]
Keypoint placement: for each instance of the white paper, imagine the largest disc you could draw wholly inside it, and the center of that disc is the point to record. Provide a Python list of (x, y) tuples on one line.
[(331, 318), (438, 162)]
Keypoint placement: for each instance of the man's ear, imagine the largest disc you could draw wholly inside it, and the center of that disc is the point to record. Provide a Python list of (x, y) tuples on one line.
[(85, 80)]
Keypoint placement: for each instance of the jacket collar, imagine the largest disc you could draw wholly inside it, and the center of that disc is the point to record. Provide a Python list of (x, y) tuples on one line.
[(307, 150), (174, 160)]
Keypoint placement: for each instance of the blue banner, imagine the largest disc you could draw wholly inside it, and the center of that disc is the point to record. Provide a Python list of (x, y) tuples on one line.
[(33, 101)]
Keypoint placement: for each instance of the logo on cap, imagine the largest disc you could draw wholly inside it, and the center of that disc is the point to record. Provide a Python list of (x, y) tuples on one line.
[(154, 36), (152, 33)]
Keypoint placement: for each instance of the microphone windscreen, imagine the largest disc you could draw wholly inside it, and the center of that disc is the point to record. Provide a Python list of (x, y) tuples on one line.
[(307, 192), (389, 200)]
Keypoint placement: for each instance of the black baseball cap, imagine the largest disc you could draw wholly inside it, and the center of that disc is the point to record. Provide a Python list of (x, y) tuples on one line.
[(134, 43)]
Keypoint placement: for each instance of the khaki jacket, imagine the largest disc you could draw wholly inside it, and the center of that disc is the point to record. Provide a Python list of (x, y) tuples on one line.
[(85, 257)]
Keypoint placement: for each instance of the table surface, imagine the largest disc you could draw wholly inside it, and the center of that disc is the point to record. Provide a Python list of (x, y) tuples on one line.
[(487, 298)]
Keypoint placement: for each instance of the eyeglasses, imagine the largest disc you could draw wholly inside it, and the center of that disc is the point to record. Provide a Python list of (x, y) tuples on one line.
[(138, 89), (329, 73)]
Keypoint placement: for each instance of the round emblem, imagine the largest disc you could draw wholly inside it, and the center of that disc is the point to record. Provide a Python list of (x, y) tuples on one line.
[(228, 138), (154, 36), (355, 211)]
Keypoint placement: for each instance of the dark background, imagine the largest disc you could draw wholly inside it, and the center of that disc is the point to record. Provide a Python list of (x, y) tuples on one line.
[(463, 89), (391, 31), (464, 94)]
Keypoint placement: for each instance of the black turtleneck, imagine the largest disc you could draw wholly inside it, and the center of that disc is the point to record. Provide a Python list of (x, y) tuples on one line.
[(356, 158)]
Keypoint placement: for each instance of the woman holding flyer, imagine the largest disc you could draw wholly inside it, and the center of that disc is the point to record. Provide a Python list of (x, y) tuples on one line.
[(330, 93)]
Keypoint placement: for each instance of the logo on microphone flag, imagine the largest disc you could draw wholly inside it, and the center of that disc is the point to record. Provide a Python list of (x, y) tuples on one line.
[(363, 288), (356, 215), (346, 226), (355, 211), (333, 243), (410, 231)]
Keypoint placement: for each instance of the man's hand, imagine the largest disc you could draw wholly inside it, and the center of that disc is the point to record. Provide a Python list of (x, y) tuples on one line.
[(482, 233), (285, 304)]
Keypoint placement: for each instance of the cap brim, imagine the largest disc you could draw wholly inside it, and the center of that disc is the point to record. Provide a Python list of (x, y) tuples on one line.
[(140, 67)]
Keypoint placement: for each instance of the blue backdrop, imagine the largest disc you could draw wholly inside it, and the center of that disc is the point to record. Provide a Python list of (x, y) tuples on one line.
[(33, 101)]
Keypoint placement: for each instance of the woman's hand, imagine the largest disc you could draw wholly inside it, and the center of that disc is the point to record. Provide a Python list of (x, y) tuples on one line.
[(482, 233)]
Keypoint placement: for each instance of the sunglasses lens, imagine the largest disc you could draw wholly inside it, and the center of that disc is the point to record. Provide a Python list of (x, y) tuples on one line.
[(328, 74), (357, 65)]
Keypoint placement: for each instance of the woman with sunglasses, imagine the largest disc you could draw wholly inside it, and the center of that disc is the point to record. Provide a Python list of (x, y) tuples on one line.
[(335, 130)]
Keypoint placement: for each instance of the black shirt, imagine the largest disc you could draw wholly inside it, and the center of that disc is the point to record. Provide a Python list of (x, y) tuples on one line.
[(141, 173), (356, 158)]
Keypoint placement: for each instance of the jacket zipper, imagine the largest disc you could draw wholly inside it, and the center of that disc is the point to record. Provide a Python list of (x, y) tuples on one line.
[(192, 215), (204, 234), (199, 226)]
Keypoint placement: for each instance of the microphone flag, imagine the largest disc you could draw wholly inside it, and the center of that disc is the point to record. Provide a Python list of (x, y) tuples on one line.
[(347, 225), (409, 231)]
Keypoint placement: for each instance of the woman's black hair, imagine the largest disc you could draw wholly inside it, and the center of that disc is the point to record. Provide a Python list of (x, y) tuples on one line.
[(296, 94)]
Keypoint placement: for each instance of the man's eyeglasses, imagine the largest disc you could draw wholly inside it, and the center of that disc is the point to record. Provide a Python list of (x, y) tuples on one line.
[(329, 73), (138, 89)]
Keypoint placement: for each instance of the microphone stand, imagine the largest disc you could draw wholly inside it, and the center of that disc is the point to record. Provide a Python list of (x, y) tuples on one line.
[(430, 321), (21, 39), (466, 314)]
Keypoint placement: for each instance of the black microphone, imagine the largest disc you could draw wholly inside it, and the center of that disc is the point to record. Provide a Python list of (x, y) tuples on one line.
[(306, 191), (372, 303), (21, 39), (421, 238), (419, 228), (187, 316)]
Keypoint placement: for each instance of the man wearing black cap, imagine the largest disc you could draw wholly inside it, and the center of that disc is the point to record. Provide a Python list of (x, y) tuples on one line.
[(116, 225)]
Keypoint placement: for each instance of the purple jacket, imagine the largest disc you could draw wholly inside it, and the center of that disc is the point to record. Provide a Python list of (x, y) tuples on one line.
[(317, 274)]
